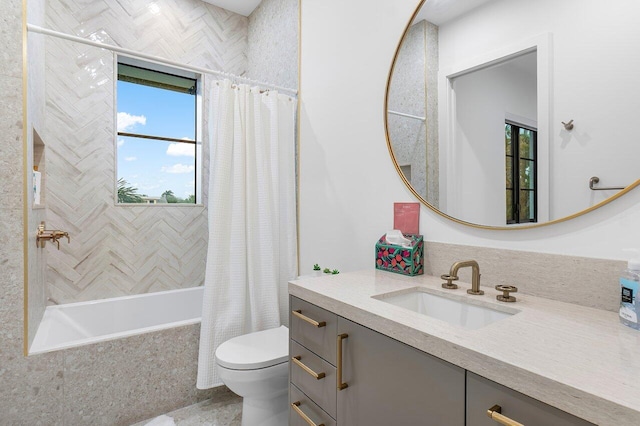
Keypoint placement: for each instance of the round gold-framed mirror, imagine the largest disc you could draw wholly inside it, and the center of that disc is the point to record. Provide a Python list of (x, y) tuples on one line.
[(512, 114)]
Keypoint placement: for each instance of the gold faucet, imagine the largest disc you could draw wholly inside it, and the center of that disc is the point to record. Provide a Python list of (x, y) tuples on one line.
[(475, 278), (53, 235)]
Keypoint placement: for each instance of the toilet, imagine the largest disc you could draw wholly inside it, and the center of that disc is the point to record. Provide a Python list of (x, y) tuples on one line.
[(255, 366)]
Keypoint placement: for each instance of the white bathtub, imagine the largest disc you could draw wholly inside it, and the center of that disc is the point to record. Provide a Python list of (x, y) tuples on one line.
[(75, 324)]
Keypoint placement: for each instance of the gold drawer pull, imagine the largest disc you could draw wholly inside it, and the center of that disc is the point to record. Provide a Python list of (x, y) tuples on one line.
[(341, 385), (495, 413), (315, 323), (296, 361), (296, 408)]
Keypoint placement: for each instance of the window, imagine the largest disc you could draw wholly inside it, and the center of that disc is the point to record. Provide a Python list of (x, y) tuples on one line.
[(521, 173), (158, 154)]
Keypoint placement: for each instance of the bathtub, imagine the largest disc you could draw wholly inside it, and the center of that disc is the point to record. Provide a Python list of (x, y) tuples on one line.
[(75, 324)]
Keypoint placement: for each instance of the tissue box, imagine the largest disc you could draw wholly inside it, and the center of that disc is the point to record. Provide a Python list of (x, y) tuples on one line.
[(401, 260)]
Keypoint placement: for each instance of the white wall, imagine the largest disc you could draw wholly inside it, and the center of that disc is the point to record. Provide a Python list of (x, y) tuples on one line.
[(594, 59), (347, 181), (484, 99)]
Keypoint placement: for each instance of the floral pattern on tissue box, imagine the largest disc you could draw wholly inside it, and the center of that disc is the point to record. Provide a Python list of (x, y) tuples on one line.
[(401, 260)]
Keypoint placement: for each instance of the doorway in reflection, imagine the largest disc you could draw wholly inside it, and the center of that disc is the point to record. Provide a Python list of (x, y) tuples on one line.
[(482, 161)]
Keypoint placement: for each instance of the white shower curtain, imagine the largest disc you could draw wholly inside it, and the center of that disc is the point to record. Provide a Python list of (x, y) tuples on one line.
[(252, 250)]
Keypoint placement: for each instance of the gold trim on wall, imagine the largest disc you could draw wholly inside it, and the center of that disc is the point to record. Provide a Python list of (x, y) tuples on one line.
[(437, 211), (297, 136), (25, 193), (425, 103)]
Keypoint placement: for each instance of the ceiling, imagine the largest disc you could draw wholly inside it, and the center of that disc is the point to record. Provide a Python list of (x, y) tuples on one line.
[(440, 11), (434, 11), (242, 7)]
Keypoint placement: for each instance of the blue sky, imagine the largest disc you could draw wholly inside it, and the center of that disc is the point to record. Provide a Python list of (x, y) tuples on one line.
[(156, 166)]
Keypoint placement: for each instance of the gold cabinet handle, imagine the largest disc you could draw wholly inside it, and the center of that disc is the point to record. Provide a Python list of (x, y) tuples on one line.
[(296, 361), (296, 408), (495, 413), (341, 385), (313, 322)]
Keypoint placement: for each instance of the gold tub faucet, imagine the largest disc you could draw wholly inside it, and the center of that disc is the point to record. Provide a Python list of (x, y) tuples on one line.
[(52, 235)]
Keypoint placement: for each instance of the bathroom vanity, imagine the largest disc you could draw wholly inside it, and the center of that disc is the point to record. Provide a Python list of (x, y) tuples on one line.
[(381, 379), (360, 358)]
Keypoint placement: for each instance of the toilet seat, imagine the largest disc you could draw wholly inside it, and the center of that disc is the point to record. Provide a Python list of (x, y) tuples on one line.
[(256, 350)]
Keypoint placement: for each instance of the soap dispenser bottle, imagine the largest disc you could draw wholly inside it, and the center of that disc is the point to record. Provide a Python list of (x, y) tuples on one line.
[(629, 286), (37, 181)]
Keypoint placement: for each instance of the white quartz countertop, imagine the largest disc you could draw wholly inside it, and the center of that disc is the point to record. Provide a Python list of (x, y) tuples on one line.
[(580, 360)]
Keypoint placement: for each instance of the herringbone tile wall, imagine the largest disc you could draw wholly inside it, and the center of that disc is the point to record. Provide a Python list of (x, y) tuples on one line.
[(35, 122), (121, 250)]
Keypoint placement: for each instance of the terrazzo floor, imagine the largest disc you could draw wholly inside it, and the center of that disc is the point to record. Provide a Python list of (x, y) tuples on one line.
[(224, 411)]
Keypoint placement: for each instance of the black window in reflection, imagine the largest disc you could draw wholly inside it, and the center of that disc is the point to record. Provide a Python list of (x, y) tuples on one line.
[(521, 174)]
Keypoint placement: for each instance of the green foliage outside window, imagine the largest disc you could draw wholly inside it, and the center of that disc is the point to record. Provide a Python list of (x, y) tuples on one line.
[(128, 194)]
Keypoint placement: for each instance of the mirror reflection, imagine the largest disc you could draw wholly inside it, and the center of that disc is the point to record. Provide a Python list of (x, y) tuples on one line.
[(500, 112)]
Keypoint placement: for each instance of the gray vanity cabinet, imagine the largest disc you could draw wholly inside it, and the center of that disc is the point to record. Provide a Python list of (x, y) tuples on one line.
[(306, 407), (312, 371), (387, 382), (390, 383), (314, 328), (482, 394)]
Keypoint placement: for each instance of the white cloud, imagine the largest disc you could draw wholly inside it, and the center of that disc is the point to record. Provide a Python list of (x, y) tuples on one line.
[(120, 142), (130, 158), (179, 168), (127, 121), (181, 149)]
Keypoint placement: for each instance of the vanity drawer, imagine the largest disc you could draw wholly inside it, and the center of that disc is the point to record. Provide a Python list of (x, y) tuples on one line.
[(322, 391), (308, 408), (320, 340), (483, 394)]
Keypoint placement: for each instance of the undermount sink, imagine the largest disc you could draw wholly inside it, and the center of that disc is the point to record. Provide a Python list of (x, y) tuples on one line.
[(457, 312)]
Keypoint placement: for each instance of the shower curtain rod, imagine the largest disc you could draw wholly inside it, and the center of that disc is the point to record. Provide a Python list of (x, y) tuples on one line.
[(45, 31)]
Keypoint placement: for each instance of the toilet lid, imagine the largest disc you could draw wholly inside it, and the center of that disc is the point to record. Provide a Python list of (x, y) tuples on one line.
[(255, 350)]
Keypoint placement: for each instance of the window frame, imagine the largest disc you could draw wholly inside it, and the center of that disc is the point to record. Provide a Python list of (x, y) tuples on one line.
[(515, 158), (197, 141)]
